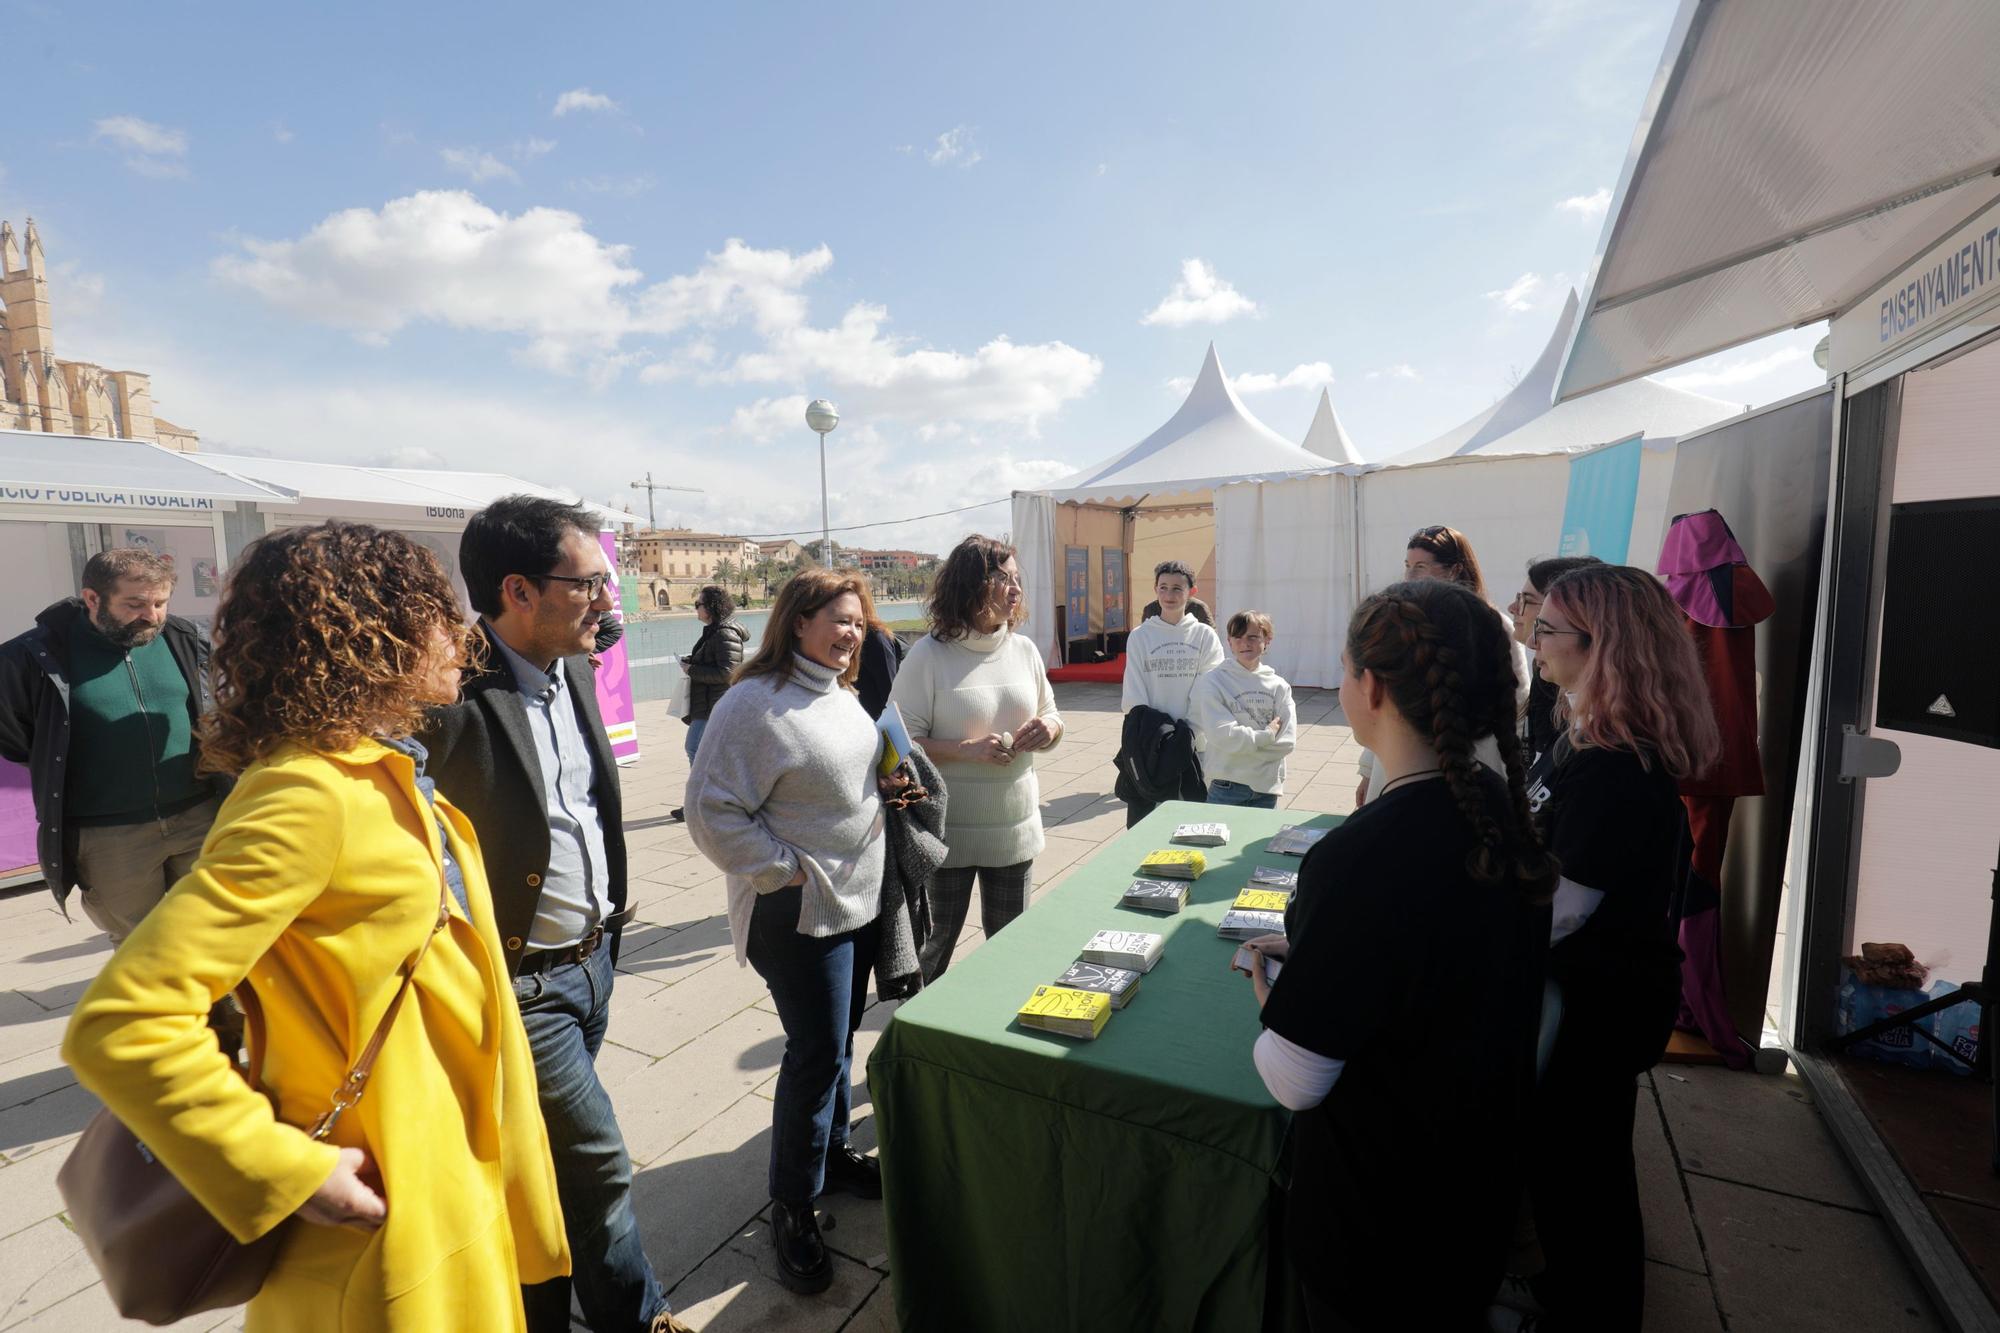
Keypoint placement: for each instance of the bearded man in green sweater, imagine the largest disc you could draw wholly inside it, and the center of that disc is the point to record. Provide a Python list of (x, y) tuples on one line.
[(100, 700)]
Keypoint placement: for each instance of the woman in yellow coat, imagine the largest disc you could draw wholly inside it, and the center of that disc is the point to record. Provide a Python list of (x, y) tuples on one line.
[(434, 1199)]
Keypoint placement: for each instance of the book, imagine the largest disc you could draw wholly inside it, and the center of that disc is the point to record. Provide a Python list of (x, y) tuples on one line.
[(1240, 923), (1269, 877), (1068, 1013), (1243, 961), (1134, 949), (896, 742), (1202, 835), (1296, 839), (1254, 899), (1173, 863), (1120, 983), (1156, 895)]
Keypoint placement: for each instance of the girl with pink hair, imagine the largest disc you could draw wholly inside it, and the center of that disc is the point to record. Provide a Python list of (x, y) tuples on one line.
[(1633, 720)]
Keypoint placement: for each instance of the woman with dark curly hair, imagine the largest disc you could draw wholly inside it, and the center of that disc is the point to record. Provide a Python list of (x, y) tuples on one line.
[(1426, 912), (975, 696), (333, 869)]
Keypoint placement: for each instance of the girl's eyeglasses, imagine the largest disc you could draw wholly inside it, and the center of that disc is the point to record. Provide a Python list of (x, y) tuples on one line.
[(1542, 629)]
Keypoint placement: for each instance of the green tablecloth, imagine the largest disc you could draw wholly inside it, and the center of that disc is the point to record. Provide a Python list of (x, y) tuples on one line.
[(1035, 1182)]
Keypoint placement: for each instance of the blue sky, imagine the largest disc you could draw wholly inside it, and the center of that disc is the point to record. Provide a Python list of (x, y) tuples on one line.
[(576, 245)]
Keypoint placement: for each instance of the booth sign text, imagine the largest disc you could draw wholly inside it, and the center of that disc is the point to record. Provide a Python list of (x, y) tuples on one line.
[(63, 495), (1956, 274)]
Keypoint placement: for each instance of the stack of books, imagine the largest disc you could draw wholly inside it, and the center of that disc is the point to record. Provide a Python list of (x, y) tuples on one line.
[(1120, 983), (1245, 960), (1266, 877), (1296, 839), (1134, 949), (1067, 1013), (1255, 912), (1156, 895), (1202, 835), (1173, 863)]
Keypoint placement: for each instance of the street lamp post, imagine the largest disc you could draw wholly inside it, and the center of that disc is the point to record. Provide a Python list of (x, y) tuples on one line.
[(822, 417)]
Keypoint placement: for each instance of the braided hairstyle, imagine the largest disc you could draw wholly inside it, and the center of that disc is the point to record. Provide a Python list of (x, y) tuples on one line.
[(1447, 662)]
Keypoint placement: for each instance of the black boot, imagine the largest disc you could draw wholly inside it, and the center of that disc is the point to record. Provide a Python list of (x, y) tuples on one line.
[(852, 1172), (678, 815), (802, 1260)]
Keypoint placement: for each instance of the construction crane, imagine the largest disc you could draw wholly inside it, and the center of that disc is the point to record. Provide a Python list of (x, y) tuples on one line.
[(649, 486)]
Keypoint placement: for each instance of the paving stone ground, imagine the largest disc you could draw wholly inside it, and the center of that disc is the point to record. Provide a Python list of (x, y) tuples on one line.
[(1753, 1220)]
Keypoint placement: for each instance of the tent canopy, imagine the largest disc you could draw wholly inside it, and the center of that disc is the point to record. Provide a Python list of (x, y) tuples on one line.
[(1211, 441), (1788, 155), (413, 487), (1327, 437), (1523, 422), (33, 460)]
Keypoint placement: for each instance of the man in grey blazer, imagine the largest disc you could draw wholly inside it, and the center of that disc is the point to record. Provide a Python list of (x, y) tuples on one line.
[(525, 756)]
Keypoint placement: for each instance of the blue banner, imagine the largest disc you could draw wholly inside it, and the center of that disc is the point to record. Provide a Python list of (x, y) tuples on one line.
[(1114, 590), (1078, 563), (1603, 492)]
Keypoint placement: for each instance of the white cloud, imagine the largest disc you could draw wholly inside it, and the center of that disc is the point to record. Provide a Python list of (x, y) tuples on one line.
[(156, 150), (1402, 370), (531, 148), (1520, 295), (478, 165), (768, 418), (1200, 297), (955, 148), (618, 187), (1306, 375), (281, 132), (444, 257), (1735, 373), (582, 99), (1589, 207)]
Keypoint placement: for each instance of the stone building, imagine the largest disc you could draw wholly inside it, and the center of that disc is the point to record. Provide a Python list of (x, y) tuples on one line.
[(785, 551), (40, 391), (672, 564)]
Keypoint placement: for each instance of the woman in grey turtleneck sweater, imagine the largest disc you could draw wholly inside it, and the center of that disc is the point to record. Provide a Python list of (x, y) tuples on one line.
[(783, 798)]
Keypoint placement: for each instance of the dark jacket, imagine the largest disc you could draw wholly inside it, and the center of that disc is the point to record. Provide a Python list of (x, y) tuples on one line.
[(710, 663), (483, 757), (34, 718), (916, 849), (881, 657), (1156, 762)]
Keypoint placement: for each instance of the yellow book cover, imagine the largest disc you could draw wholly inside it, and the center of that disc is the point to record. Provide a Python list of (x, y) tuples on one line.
[(1262, 900), (1059, 1008), (1178, 861)]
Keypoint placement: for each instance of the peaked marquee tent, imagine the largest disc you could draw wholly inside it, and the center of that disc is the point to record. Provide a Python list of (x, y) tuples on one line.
[(1151, 502), (1327, 437)]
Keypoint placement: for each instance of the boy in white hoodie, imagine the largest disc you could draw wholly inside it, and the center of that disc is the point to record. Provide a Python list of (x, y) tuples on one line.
[(1242, 711), (1168, 653)]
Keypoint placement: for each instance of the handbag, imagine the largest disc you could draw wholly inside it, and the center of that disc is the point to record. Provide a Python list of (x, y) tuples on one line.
[(678, 701), (162, 1255)]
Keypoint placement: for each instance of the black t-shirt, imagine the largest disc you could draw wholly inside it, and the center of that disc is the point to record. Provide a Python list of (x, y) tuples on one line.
[(1429, 985), (1616, 824)]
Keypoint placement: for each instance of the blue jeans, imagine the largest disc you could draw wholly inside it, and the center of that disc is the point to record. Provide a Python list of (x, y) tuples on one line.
[(820, 987), (565, 1011), (695, 728), (1221, 791)]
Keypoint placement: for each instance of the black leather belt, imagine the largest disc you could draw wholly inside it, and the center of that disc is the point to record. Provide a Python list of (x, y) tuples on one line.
[(547, 960)]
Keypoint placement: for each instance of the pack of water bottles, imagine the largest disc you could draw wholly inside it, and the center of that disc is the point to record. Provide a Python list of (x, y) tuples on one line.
[(1956, 1027)]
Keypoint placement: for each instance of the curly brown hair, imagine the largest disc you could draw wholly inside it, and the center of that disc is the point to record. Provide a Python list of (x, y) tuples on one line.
[(319, 636), (962, 592)]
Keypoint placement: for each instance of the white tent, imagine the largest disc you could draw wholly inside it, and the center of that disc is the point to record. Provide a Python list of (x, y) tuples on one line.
[(1151, 502), (1327, 437)]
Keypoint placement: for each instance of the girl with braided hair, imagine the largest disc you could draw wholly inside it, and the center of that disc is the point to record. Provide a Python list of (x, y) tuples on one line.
[(1402, 1027), (1633, 720)]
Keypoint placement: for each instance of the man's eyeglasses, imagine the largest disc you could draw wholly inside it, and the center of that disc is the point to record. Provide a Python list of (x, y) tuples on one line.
[(591, 585), (1542, 629)]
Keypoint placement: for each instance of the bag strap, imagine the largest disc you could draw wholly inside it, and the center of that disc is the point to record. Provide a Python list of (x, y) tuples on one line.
[(356, 1083)]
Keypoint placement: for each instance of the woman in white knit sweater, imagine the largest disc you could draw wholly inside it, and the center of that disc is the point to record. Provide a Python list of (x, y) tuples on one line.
[(784, 799), (975, 696)]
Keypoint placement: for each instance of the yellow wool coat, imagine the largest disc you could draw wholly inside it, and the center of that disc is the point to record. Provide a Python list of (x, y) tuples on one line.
[(317, 884)]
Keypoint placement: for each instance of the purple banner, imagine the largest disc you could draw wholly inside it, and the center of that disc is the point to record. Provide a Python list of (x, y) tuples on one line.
[(614, 676), (17, 819)]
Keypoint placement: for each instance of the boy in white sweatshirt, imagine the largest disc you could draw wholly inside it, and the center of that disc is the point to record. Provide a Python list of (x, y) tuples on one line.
[(1242, 711), (1169, 652)]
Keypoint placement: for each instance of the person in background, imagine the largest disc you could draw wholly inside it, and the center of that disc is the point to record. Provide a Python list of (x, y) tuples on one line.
[(1444, 879), (1195, 607), (101, 701), (524, 753), (1633, 720), (1168, 652), (1538, 726), (1439, 552), (882, 656), (976, 697), (331, 864), (1243, 712), (784, 799), (710, 664)]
